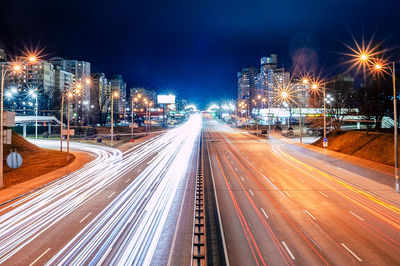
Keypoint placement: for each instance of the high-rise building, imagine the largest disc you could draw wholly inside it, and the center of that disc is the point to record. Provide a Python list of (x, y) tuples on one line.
[(99, 98), (247, 89), (81, 72), (118, 84)]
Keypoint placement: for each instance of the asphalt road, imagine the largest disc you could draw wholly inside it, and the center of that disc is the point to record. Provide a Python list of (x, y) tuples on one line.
[(126, 208), (281, 204)]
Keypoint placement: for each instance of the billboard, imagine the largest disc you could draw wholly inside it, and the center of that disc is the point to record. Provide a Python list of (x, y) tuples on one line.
[(165, 99)]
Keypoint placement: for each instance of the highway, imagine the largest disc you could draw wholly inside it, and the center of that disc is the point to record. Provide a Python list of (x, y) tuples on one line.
[(127, 208), (281, 204)]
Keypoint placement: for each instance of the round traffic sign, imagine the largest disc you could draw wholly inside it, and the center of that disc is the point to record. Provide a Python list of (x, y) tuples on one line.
[(14, 160)]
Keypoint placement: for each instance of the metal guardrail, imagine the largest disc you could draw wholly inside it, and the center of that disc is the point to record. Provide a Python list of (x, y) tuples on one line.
[(199, 235)]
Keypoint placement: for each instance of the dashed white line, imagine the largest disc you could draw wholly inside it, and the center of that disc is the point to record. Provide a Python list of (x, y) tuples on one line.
[(251, 192), (300, 179), (38, 258), (351, 252), (84, 218), (287, 193), (236, 169), (231, 162), (288, 250), (127, 180), (286, 170), (228, 156), (111, 195), (242, 178), (265, 214), (310, 215), (356, 215), (323, 194), (261, 169), (139, 170)]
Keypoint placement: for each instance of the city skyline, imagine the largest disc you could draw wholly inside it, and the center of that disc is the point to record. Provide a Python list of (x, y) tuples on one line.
[(154, 48)]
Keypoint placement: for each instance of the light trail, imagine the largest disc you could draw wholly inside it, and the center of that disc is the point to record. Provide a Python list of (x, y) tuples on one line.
[(141, 209), (128, 230)]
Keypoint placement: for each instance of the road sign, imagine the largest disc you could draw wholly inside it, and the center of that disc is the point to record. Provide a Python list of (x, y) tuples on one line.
[(14, 160), (9, 119), (7, 136), (325, 139), (71, 132)]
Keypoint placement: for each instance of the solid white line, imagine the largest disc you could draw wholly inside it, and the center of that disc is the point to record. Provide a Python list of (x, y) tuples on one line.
[(38, 258), (310, 215), (265, 214), (287, 193), (288, 250), (139, 170), (351, 252), (85, 217), (236, 169), (323, 194), (356, 215), (251, 192), (242, 179), (127, 180), (111, 195)]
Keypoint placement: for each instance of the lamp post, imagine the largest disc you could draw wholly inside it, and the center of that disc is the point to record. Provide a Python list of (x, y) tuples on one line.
[(70, 95), (132, 100), (379, 67), (34, 94), (116, 95), (62, 121)]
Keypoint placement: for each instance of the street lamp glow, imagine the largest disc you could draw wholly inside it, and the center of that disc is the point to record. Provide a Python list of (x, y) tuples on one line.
[(17, 67), (115, 94), (378, 67), (284, 94), (363, 57), (305, 81), (88, 81), (314, 86), (32, 59)]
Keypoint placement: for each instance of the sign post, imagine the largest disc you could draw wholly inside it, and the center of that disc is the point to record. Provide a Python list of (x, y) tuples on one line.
[(325, 143)]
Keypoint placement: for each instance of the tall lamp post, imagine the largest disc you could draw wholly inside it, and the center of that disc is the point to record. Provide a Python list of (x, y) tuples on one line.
[(115, 94), (34, 94)]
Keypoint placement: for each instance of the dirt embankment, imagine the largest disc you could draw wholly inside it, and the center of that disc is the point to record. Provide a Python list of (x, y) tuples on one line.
[(377, 147), (36, 161)]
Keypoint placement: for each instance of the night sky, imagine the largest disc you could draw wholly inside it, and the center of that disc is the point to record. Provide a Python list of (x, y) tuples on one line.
[(195, 48)]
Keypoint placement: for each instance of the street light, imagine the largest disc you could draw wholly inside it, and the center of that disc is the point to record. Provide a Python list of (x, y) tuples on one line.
[(115, 94), (33, 94)]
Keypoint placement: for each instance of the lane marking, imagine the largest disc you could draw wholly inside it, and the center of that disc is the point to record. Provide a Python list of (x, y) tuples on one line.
[(300, 179), (231, 162), (251, 192), (105, 256), (84, 218), (38, 258), (356, 215), (323, 194), (236, 169), (111, 195), (351, 252), (261, 169), (288, 250), (286, 170), (127, 180), (242, 179), (139, 170), (310, 215), (287, 193), (265, 214)]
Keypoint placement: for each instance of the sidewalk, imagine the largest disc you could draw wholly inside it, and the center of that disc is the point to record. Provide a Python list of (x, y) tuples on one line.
[(81, 159)]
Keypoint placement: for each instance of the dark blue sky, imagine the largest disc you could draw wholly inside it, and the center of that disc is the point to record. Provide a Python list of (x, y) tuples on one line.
[(194, 48)]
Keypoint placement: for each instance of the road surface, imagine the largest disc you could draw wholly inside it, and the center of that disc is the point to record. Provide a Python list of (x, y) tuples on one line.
[(122, 208), (281, 204)]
